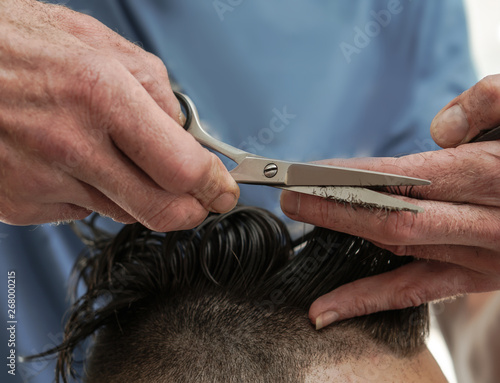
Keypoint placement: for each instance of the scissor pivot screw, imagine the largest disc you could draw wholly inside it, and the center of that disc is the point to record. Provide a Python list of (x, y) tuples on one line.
[(270, 170)]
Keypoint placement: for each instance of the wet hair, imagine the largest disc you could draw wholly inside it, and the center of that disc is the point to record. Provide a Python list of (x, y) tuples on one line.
[(226, 301)]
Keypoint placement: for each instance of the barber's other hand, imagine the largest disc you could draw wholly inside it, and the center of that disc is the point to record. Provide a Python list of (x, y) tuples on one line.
[(458, 236), (88, 122)]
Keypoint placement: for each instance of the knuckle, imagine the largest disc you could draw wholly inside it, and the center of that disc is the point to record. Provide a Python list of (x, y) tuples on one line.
[(100, 91), (64, 154), (362, 306), (89, 77), (156, 65), (61, 154), (175, 215), (152, 73), (400, 228), (199, 178), (410, 296), (66, 18), (97, 83), (186, 178)]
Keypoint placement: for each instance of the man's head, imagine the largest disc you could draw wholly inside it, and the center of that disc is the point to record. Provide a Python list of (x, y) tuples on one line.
[(228, 302)]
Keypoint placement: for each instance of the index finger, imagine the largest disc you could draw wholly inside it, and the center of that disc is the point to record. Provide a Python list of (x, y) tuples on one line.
[(458, 175), (467, 174), (154, 142)]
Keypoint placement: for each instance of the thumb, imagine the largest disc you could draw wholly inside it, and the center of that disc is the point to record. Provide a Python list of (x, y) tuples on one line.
[(476, 109)]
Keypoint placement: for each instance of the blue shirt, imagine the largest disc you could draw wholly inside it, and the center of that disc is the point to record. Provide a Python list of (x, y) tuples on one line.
[(295, 80)]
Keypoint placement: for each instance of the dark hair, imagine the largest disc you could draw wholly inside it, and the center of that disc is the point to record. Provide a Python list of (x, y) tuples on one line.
[(233, 290)]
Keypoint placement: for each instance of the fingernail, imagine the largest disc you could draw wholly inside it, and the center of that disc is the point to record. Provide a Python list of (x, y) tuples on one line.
[(451, 127), (290, 202), (224, 203), (326, 319)]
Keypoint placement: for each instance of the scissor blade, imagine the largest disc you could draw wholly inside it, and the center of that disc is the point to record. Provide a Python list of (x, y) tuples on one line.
[(487, 135), (252, 170), (358, 196), (321, 175)]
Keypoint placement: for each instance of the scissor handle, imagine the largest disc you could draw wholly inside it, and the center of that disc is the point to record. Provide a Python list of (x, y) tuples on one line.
[(487, 135), (193, 126)]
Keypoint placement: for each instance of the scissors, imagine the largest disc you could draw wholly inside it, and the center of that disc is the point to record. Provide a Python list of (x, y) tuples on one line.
[(487, 135), (332, 182)]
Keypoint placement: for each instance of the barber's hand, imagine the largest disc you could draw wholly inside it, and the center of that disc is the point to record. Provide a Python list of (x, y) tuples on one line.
[(458, 236), (88, 122)]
